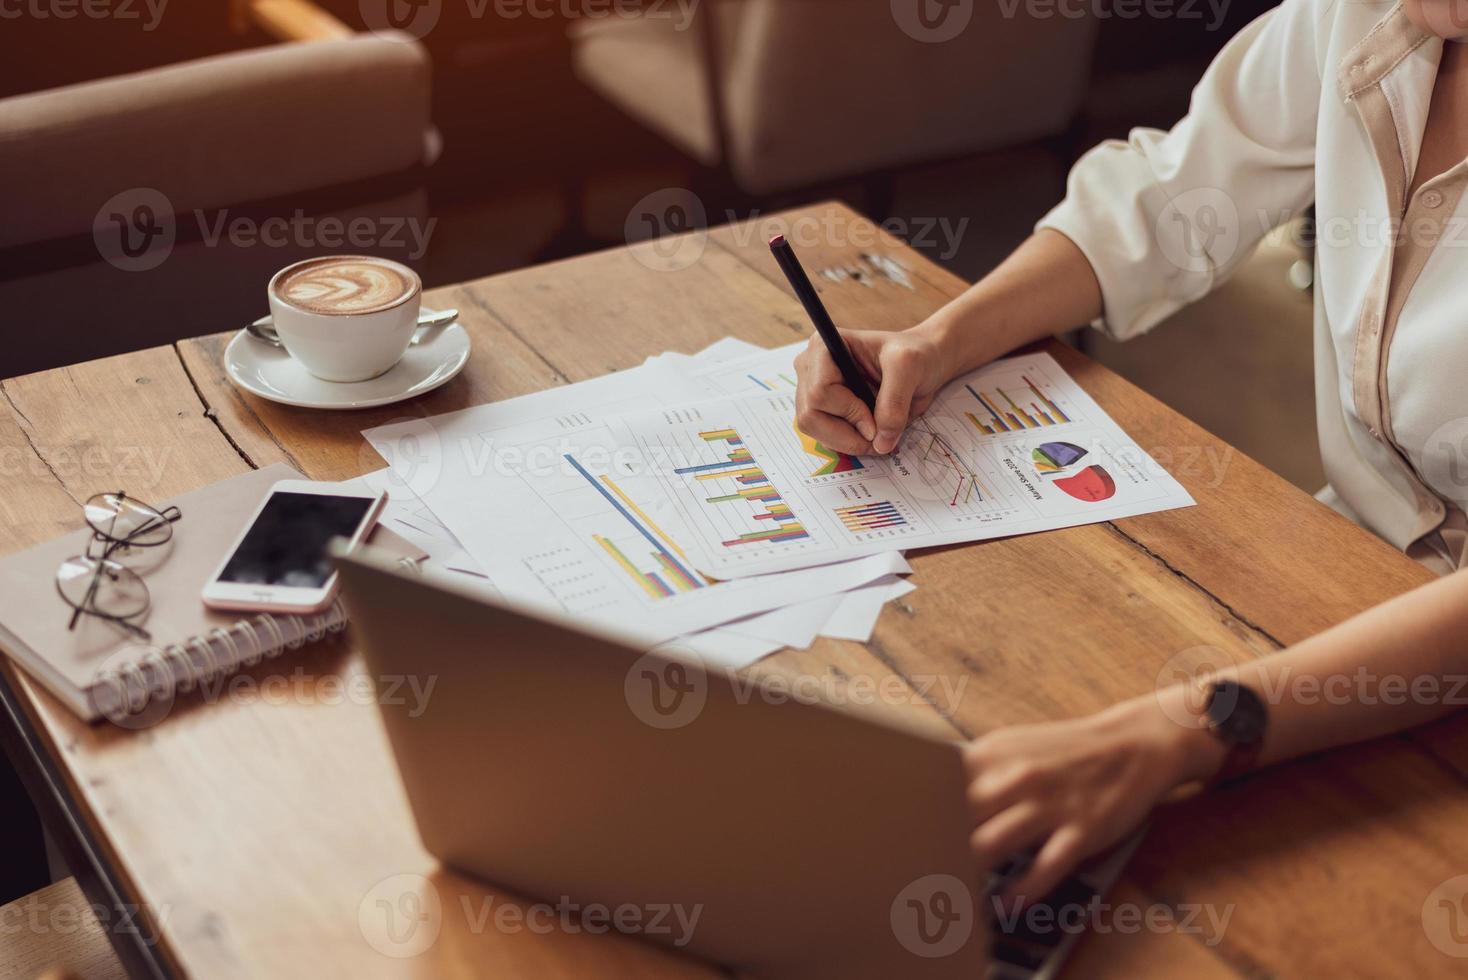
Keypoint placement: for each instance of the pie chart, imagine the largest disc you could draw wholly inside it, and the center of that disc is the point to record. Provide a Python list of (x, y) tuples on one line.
[(1091, 484), (1052, 457)]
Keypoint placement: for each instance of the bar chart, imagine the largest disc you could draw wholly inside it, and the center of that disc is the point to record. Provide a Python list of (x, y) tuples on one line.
[(873, 516), (738, 479), (1014, 409), (781, 381), (668, 572)]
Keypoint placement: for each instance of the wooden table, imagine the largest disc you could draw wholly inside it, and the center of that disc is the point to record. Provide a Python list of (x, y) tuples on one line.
[(251, 831)]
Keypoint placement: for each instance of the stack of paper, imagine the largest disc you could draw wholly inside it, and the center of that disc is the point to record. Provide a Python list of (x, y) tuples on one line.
[(679, 499)]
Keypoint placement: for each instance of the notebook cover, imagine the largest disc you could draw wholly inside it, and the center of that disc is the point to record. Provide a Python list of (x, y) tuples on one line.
[(34, 617)]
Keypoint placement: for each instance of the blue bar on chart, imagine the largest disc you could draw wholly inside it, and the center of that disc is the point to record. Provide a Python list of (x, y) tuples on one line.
[(870, 517)]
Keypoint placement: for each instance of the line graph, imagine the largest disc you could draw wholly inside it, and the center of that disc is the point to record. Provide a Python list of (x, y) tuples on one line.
[(941, 464)]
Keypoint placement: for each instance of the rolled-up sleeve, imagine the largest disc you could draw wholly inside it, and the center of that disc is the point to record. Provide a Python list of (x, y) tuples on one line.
[(1164, 217)]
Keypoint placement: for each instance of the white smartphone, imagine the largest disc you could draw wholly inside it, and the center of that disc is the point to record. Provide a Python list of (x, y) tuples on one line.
[(280, 562)]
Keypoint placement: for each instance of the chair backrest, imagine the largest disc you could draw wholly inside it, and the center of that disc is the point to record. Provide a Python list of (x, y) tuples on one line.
[(123, 237), (240, 127), (817, 89)]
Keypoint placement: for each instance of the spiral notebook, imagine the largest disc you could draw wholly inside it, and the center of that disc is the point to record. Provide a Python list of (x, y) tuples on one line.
[(100, 671)]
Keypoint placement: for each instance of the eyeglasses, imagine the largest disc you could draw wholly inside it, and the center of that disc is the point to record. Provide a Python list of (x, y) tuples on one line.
[(100, 582)]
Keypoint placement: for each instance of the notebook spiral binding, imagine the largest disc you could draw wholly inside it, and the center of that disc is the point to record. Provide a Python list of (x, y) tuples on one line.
[(179, 668)]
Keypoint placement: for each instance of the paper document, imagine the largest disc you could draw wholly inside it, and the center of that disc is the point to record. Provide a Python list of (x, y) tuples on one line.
[(530, 490), (1014, 447), (856, 617)]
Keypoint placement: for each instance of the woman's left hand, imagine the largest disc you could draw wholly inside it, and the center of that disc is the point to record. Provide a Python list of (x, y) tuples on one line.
[(1070, 789)]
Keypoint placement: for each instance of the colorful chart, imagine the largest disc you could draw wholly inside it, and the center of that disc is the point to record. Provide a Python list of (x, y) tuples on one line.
[(1054, 457), (1091, 484), (670, 574), (939, 462), (870, 517), (831, 460), (775, 383), (1007, 413), (748, 482)]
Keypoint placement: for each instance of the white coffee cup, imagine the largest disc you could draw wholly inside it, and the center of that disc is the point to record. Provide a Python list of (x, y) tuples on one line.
[(346, 317)]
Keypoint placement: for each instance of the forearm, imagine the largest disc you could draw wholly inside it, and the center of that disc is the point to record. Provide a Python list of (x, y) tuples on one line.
[(1045, 287), (1393, 667)]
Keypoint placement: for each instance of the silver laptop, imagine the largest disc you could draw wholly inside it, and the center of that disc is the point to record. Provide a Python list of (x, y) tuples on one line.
[(772, 836)]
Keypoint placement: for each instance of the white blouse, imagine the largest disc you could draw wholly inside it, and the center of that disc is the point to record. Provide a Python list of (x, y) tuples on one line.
[(1321, 101)]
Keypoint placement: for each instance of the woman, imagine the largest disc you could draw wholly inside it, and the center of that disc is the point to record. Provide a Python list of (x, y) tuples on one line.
[(1362, 108)]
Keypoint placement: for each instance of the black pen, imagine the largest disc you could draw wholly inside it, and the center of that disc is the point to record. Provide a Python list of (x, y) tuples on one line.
[(851, 373)]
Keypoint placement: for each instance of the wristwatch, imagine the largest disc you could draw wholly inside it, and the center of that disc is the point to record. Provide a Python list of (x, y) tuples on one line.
[(1237, 717)]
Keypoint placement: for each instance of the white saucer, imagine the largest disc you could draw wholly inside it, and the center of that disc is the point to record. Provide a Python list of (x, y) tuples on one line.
[(272, 373)]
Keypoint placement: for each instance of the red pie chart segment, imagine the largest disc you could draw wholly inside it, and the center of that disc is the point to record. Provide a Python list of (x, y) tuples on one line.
[(1091, 484)]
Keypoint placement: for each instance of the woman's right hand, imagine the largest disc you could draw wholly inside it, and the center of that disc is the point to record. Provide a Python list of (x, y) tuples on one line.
[(909, 367)]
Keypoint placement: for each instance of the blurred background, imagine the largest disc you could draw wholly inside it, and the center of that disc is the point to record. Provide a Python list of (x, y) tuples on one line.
[(160, 160), (145, 147)]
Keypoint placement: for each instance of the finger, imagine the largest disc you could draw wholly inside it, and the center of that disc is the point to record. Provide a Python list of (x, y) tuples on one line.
[(995, 790), (838, 400), (832, 431), (1008, 833), (894, 397), (814, 365), (1056, 859)]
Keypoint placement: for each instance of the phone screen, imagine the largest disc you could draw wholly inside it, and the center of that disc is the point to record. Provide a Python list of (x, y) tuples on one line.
[(286, 546)]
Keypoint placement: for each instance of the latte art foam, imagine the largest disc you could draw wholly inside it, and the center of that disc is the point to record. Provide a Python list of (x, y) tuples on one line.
[(355, 285)]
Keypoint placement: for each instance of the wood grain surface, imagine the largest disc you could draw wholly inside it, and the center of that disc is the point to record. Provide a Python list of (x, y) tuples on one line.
[(257, 828)]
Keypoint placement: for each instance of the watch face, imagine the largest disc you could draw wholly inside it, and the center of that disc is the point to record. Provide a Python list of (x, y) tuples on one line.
[(1235, 713)]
